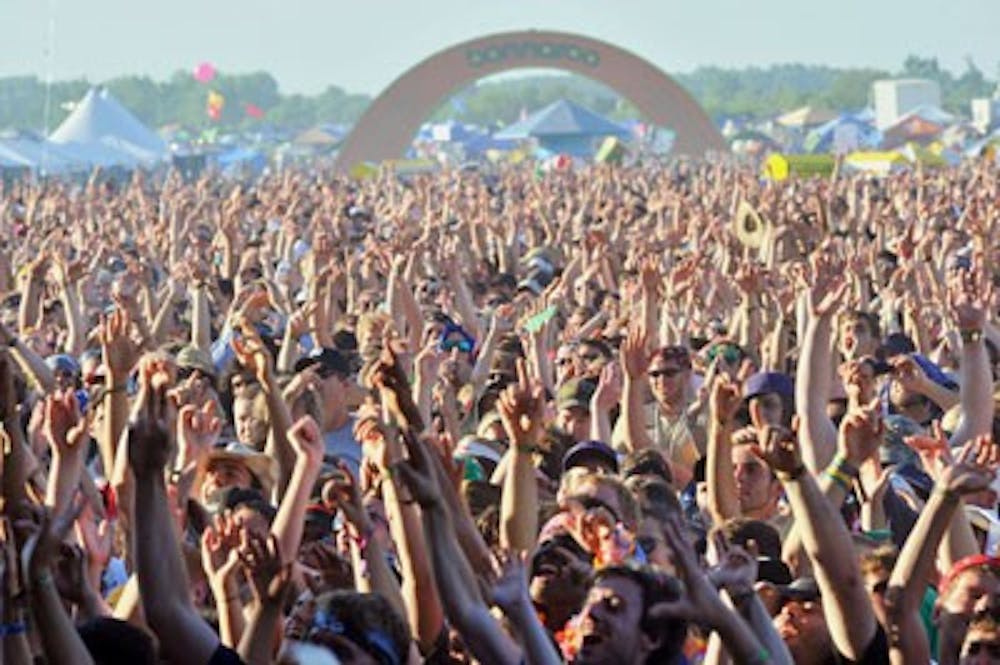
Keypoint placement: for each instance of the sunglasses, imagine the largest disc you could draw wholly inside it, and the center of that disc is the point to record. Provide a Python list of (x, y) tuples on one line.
[(990, 649), (668, 373), (562, 362), (590, 503), (589, 357)]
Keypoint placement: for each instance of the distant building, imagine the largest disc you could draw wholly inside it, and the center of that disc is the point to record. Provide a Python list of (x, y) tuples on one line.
[(893, 98)]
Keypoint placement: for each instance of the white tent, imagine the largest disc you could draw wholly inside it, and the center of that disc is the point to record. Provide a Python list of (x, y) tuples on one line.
[(25, 149), (103, 132)]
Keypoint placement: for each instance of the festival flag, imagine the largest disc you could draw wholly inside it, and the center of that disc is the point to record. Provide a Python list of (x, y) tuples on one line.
[(253, 111), (215, 104)]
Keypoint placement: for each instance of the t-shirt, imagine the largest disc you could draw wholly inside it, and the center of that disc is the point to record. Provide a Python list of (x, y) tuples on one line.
[(877, 652), (340, 443), (223, 655)]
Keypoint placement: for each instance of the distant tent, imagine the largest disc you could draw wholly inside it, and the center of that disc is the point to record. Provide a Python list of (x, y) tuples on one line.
[(102, 131), (806, 116), (564, 127), (320, 136), (844, 134), (36, 153), (912, 127)]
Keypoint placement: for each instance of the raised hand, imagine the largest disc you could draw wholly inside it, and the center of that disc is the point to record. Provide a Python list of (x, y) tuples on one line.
[(197, 431), (342, 491), (97, 538), (521, 408), (725, 399), (510, 589), (974, 469), (42, 534), (908, 372), (828, 287), (968, 300), (700, 602), (62, 425), (861, 433), (933, 449), (150, 423), (417, 473), (220, 561), (261, 558), (252, 354), (307, 440), (609, 387), (733, 568), (119, 351), (634, 354), (778, 447)]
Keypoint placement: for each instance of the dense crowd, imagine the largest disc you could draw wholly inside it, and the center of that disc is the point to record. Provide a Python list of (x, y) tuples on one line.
[(658, 414)]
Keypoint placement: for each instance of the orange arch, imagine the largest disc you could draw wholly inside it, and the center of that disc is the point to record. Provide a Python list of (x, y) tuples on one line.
[(394, 117)]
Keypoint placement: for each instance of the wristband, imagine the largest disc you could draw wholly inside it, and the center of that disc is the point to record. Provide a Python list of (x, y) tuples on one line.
[(838, 477), (880, 535), (530, 450), (971, 336), (841, 464), (13, 341)]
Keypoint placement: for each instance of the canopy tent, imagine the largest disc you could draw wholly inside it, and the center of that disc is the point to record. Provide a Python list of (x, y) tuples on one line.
[(321, 136), (911, 128), (843, 134), (103, 132), (564, 127), (806, 116), (25, 149)]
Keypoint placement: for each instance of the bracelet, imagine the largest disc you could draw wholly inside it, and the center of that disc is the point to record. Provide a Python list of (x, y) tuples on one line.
[(530, 450), (879, 535), (843, 466), (838, 477), (763, 656), (971, 336), (13, 341), (16, 628)]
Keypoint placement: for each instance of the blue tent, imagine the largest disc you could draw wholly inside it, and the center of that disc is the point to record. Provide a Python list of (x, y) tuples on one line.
[(564, 127), (851, 131)]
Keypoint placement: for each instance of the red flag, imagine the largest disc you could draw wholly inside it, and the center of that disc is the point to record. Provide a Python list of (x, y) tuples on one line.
[(254, 111), (214, 112)]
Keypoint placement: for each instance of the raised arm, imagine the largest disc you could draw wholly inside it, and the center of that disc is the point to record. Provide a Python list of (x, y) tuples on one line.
[(967, 295), (455, 581), (521, 408), (289, 523), (724, 401), (972, 472), (815, 375), (184, 637), (826, 540), (635, 360)]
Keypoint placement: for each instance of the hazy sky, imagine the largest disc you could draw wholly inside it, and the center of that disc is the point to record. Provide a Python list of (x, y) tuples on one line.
[(362, 46)]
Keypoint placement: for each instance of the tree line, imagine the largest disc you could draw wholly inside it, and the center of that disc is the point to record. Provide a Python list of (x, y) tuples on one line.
[(27, 103)]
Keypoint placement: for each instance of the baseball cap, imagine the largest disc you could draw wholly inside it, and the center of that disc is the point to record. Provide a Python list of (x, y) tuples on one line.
[(62, 362), (675, 353), (594, 451), (191, 357), (801, 589), (575, 393), (764, 383), (330, 361)]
